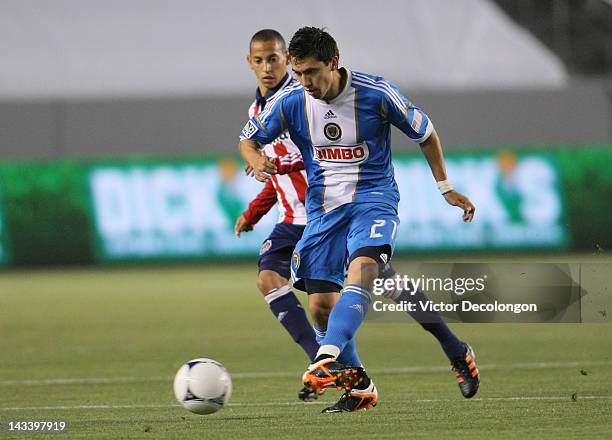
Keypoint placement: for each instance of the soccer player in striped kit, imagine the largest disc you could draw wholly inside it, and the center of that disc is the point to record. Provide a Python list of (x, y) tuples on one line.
[(340, 120)]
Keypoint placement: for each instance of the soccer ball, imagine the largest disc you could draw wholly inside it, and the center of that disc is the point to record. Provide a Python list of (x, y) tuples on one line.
[(203, 386)]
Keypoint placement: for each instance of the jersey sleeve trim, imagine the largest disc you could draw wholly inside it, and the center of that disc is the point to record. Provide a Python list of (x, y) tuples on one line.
[(428, 131)]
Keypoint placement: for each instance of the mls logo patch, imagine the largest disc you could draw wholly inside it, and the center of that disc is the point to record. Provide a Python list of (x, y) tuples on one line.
[(249, 129), (332, 131), (265, 247)]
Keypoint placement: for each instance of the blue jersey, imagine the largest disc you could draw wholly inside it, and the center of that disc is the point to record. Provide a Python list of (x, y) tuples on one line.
[(345, 143)]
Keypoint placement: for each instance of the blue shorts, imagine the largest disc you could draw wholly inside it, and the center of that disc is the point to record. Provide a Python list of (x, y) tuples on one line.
[(329, 241), (276, 250)]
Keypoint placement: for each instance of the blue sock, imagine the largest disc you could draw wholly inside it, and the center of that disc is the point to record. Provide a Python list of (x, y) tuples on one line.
[(291, 315), (348, 356), (346, 316)]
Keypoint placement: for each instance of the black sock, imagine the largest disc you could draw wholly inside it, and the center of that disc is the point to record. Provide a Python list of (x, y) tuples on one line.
[(430, 321), (434, 324)]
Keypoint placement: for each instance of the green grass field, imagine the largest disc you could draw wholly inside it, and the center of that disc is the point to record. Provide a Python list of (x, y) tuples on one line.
[(99, 348)]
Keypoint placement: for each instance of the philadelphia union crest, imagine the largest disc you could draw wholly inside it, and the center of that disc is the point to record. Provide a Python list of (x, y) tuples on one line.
[(296, 260), (332, 131)]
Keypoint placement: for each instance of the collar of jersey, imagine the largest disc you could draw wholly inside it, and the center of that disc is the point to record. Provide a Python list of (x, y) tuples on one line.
[(345, 90)]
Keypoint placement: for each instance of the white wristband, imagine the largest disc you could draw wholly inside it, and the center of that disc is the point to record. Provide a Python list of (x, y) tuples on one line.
[(445, 186)]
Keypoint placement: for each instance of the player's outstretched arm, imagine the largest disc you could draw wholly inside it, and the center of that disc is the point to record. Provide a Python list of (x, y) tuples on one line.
[(432, 149), (262, 166)]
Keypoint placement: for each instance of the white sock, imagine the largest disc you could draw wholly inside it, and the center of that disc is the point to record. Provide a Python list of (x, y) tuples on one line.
[(330, 350)]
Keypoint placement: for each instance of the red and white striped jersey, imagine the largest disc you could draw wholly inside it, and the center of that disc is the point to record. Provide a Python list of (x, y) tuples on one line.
[(290, 188)]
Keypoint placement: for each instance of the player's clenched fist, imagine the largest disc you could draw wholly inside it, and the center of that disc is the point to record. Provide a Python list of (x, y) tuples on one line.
[(457, 199)]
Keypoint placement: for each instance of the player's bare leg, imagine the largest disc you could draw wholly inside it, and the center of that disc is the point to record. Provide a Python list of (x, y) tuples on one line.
[(269, 280), (320, 306)]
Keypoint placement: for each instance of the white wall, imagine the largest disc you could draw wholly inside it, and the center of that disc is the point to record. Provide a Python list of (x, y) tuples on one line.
[(103, 48)]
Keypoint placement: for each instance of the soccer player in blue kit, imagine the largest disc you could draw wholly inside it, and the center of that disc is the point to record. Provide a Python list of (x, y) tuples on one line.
[(340, 120)]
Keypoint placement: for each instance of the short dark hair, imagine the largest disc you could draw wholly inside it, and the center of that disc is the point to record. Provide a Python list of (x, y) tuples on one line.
[(313, 42), (268, 35)]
